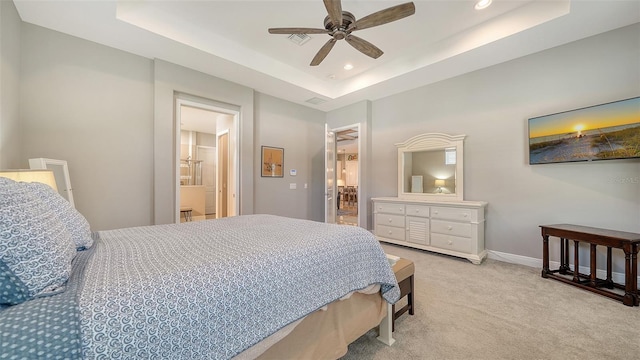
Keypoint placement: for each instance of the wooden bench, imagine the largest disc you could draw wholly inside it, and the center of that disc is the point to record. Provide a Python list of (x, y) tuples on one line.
[(404, 270)]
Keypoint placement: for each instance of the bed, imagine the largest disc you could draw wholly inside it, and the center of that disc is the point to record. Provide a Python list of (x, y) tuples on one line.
[(253, 286)]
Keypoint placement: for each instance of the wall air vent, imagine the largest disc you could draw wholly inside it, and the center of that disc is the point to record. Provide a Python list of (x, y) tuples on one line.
[(299, 39), (316, 101)]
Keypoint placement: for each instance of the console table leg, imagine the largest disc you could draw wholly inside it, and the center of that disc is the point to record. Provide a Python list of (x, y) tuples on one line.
[(564, 256), (592, 276), (609, 279), (634, 274), (630, 293), (545, 255), (576, 262)]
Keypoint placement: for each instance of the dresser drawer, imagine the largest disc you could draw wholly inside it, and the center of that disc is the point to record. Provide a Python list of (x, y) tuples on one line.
[(446, 213), (451, 228), (389, 208), (417, 210), (390, 232), (390, 220), (453, 243)]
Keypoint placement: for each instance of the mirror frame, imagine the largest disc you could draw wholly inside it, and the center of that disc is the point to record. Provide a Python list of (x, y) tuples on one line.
[(433, 141)]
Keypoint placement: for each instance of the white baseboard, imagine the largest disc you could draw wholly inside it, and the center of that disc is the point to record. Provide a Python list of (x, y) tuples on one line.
[(537, 263)]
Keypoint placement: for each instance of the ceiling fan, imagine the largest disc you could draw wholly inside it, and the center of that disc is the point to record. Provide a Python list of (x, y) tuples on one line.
[(340, 24)]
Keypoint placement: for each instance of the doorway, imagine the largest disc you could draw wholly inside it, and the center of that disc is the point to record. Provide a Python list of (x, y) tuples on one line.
[(205, 171), (347, 174)]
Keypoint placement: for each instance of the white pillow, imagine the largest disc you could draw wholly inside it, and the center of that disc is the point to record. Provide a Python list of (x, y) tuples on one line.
[(35, 247), (76, 224)]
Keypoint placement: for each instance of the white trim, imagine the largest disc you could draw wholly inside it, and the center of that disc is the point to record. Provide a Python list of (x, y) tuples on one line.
[(617, 277)]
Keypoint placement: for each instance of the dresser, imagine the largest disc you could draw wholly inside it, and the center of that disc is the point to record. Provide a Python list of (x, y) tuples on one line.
[(449, 227)]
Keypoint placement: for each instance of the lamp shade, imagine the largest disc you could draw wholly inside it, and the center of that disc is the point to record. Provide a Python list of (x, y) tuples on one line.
[(42, 176), (439, 183)]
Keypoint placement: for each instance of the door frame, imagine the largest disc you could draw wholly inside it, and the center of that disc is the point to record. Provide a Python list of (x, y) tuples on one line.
[(362, 208), (211, 105)]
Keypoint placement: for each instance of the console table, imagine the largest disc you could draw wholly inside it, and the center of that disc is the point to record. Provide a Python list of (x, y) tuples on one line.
[(626, 241)]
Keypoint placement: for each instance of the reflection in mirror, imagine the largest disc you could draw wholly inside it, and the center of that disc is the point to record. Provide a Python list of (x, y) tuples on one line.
[(432, 171), (430, 167)]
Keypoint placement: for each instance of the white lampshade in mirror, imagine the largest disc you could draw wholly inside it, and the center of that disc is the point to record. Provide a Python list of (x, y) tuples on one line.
[(42, 176), (439, 183)]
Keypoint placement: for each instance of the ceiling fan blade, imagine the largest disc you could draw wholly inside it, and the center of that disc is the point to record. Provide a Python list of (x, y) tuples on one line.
[(323, 52), (384, 16), (364, 46), (297, 31), (334, 8)]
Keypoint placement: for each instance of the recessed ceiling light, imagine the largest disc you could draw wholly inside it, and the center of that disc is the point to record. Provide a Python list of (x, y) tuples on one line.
[(348, 67), (482, 4)]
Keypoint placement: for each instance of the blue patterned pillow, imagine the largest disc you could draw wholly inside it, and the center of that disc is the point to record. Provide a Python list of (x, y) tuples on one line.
[(35, 247), (76, 224)]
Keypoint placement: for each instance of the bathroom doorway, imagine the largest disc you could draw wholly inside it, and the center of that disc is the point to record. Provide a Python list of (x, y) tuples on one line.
[(201, 176)]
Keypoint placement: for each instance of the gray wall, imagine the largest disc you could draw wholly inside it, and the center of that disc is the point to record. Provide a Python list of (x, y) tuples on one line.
[(169, 79), (491, 106), (297, 129), (10, 145), (110, 114), (92, 106)]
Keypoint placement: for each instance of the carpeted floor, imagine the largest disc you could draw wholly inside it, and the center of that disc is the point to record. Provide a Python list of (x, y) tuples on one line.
[(498, 310)]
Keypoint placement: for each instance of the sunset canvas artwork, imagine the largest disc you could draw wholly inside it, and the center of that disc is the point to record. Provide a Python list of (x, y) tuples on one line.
[(600, 132)]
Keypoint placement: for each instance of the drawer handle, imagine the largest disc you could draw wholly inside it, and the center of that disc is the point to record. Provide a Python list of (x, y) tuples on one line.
[(450, 242), (435, 212), (390, 232), (466, 215), (449, 227), (390, 219)]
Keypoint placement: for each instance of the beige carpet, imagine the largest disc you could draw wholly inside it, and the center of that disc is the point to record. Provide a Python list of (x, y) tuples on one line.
[(498, 310)]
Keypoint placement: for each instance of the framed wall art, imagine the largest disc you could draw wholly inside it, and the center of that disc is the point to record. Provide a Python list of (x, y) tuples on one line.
[(272, 161), (600, 132)]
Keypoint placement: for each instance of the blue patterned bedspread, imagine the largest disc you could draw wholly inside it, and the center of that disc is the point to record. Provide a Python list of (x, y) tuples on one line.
[(46, 327), (211, 289)]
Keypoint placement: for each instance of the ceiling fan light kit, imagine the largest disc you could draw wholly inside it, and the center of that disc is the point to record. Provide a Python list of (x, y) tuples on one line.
[(340, 24)]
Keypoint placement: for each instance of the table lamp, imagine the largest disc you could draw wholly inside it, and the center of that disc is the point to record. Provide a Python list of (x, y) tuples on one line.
[(42, 176)]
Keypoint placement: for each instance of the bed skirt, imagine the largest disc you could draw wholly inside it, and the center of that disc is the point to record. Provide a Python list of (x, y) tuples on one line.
[(324, 334)]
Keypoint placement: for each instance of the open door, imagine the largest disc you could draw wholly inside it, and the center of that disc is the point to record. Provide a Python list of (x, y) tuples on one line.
[(331, 203)]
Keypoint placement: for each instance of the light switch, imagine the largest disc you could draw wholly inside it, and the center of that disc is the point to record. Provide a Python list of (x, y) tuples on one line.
[(293, 186)]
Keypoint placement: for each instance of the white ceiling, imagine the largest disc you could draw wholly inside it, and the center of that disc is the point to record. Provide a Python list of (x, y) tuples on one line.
[(229, 39)]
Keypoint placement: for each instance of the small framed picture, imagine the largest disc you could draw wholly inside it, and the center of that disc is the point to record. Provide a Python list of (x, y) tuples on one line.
[(272, 161)]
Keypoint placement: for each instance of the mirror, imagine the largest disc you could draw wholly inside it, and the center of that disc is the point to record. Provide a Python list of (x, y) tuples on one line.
[(60, 172), (430, 167)]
